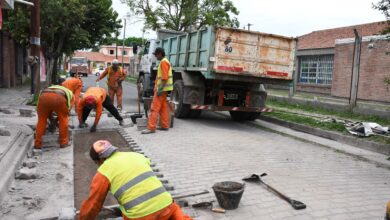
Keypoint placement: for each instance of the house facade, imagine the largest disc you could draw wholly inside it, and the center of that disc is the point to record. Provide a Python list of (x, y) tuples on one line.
[(324, 61)]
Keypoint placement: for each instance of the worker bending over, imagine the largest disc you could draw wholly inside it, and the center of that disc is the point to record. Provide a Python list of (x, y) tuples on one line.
[(59, 100), (116, 75), (128, 176), (95, 98), (163, 85)]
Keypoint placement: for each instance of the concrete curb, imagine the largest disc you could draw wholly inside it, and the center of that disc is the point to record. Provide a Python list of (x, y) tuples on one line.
[(11, 161), (332, 106), (353, 141)]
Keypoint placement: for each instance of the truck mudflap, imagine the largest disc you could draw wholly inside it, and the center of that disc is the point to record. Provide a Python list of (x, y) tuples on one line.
[(230, 108)]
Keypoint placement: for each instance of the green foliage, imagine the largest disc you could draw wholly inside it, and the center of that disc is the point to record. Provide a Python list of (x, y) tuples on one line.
[(179, 15), (66, 26), (384, 7), (130, 41)]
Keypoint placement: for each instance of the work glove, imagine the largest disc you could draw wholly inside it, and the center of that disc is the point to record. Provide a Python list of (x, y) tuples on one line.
[(159, 91), (93, 128)]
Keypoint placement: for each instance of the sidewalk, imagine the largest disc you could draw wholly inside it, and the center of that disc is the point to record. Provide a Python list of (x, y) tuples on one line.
[(333, 103)]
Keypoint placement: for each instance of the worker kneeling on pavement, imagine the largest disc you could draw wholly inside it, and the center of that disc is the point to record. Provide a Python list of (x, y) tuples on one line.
[(56, 99), (95, 98), (128, 176)]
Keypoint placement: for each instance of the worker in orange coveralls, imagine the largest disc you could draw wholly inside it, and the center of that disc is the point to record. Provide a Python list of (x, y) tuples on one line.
[(95, 98), (128, 176), (75, 85), (56, 99), (163, 85), (388, 211), (116, 75)]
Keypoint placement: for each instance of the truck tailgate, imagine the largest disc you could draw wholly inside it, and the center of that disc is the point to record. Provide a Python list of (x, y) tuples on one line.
[(241, 52)]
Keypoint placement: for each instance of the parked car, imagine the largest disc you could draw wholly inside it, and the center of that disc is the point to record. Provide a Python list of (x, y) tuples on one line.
[(99, 71)]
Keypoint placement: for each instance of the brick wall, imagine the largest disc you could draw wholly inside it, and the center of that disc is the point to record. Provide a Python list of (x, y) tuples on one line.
[(322, 89), (374, 67)]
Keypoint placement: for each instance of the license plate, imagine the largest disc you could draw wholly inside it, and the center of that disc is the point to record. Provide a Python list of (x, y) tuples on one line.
[(231, 96)]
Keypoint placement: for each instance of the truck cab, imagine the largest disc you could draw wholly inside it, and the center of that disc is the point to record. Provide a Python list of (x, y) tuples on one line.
[(79, 65)]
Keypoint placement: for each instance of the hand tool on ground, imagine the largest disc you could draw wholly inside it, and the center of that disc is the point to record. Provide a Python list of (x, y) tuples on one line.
[(208, 205), (189, 195), (257, 178), (137, 115)]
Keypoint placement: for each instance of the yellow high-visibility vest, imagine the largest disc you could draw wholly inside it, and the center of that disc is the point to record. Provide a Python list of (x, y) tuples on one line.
[(134, 184), (169, 84), (68, 93)]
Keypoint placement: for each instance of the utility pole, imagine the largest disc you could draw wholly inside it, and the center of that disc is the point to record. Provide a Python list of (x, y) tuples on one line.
[(35, 47), (355, 70), (249, 26), (123, 42)]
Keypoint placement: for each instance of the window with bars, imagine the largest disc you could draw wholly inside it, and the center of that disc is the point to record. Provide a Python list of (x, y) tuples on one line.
[(316, 69)]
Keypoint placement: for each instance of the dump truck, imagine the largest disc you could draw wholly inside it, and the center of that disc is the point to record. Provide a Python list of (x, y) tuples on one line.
[(79, 65), (220, 69)]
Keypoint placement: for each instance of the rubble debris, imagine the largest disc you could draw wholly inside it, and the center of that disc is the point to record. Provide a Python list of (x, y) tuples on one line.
[(59, 177), (6, 111), (366, 129), (30, 164), (4, 132), (26, 113), (34, 203), (26, 174)]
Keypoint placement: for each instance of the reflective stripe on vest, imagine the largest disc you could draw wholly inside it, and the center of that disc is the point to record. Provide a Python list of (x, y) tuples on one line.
[(68, 93), (133, 182), (138, 191), (169, 84)]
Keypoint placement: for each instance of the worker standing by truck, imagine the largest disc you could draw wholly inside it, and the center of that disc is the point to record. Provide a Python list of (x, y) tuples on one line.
[(116, 75), (95, 98), (128, 176), (56, 99), (163, 85)]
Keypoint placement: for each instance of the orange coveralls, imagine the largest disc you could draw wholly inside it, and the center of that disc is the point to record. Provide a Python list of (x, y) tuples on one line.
[(50, 102), (112, 81), (75, 85), (99, 188), (159, 103), (100, 95)]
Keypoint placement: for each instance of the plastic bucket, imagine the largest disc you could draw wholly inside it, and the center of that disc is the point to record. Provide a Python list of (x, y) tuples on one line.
[(228, 194)]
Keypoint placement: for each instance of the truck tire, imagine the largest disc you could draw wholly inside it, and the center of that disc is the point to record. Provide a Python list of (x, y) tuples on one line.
[(242, 116), (181, 110), (195, 113)]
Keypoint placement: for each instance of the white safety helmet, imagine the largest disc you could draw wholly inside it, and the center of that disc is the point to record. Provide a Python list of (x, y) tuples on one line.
[(115, 61)]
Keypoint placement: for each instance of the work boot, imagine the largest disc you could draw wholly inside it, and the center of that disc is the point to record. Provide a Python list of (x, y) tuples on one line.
[(162, 129), (64, 145), (119, 108), (37, 152), (147, 131), (83, 125)]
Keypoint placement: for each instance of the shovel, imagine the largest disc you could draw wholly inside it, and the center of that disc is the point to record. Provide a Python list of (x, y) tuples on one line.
[(256, 178), (137, 115)]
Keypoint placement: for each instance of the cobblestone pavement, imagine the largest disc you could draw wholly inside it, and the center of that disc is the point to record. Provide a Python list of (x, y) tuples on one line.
[(195, 154)]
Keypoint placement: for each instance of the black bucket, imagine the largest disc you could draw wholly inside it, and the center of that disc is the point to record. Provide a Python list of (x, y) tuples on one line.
[(228, 194)]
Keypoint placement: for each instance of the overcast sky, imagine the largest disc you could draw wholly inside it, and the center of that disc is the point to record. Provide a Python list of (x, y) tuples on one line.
[(287, 17)]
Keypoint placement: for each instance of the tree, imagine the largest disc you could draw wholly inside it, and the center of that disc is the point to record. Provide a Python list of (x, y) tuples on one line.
[(180, 15), (384, 7), (66, 26)]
